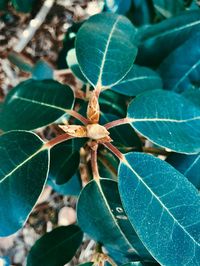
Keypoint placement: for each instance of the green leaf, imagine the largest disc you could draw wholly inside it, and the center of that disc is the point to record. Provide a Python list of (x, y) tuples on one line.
[(23, 5), (57, 247), (188, 165), (100, 201), (179, 71), (123, 136), (65, 160), (157, 41), (167, 119), (163, 207), (168, 8), (74, 66), (24, 166), (107, 163), (71, 188), (86, 264), (35, 103), (68, 44), (138, 263), (3, 4), (193, 95), (42, 70), (113, 103), (138, 80), (105, 49)]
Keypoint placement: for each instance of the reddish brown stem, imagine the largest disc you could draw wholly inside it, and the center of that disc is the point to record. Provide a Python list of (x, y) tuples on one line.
[(114, 150), (94, 164), (78, 116), (116, 123), (61, 138)]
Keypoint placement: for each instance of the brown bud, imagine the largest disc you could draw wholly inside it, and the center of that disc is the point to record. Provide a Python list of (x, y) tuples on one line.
[(74, 130), (96, 131), (93, 110)]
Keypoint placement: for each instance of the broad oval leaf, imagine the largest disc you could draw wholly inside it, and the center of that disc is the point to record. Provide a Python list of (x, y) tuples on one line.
[(179, 71), (35, 103), (24, 164), (100, 201), (138, 263), (193, 95), (163, 206), (42, 70), (157, 41), (188, 165), (71, 188), (23, 5), (167, 119), (74, 66), (138, 80), (168, 8), (124, 136), (65, 160), (105, 48), (57, 247)]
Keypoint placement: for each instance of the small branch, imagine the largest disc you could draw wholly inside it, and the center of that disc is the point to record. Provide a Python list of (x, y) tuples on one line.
[(116, 123), (33, 26), (114, 150), (78, 116), (94, 164), (61, 138)]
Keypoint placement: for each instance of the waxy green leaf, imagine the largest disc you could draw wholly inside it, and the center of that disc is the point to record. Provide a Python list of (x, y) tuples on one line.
[(23, 5), (180, 72), (138, 80), (157, 41), (71, 188), (168, 8), (57, 247), (42, 70), (24, 164), (167, 119), (188, 165), (105, 49), (35, 103), (193, 95), (163, 207), (65, 160), (100, 201), (74, 66)]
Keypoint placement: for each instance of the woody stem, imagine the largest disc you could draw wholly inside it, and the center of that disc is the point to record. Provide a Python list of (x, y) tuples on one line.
[(78, 116), (114, 150), (116, 123), (59, 139), (94, 164)]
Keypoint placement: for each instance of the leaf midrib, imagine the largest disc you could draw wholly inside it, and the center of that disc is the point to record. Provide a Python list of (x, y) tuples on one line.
[(21, 164), (40, 103), (172, 31), (158, 199)]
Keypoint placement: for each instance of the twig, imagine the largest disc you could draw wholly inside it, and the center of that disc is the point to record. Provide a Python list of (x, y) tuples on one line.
[(116, 123), (94, 164), (114, 150), (33, 26), (78, 116), (61, 138)]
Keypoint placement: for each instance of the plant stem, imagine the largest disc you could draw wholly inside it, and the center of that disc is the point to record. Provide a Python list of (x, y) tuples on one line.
[(61, 138), (116, 123), (94, 164), (78, 116), (114, 150)]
